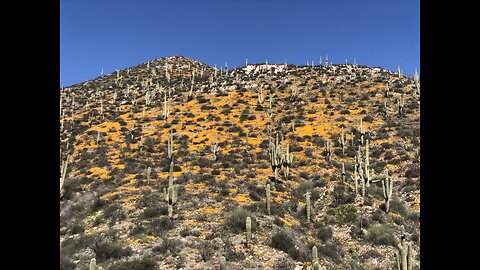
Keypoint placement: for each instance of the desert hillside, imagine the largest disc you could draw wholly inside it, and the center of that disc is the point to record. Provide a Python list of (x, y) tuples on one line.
[(163, 164)]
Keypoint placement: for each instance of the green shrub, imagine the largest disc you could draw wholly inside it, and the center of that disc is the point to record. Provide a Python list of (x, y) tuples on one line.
[(345, 213), (137, 264), (235, 220), (284, 242), (399, 207), (107, 250), (381, 235)]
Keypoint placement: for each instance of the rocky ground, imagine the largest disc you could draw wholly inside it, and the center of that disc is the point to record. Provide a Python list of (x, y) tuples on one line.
[(114, 139)]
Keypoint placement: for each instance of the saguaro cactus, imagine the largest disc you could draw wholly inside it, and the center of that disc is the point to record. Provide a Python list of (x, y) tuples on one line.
[(215, 148), (149, 171), (308, 205), (287, 161), (63, 172), (355, 177), (343, 172), (404, 255), (248, 225), (166, 110), (328, 151), (170, 145), (387, 185), (314, 255), (223, 263), (275, 157), (93, 264), (343, 141), (268, 197), (367, 166)]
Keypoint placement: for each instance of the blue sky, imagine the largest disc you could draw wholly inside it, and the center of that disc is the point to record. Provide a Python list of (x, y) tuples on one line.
[(116, 34)]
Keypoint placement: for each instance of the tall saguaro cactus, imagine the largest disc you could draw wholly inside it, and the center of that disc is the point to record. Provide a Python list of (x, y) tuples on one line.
[(170, 145), (308, 205), (343, 172), (387, 185), (268, 197), (63, 172), (287, 161), (248, 225), (328, 151), (343, 141), (404, 255), (275, 157)]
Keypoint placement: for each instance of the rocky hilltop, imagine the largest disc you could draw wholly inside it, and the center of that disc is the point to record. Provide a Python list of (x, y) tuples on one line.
[(173, 164)]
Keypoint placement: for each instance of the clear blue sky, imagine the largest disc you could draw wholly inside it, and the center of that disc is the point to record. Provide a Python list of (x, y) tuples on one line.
[(116, 34)]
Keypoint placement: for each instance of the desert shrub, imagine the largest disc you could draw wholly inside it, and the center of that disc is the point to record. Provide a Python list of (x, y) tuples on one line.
[(65, 263), (235, 220), (206, 250), (159, 225), (152, 212), (284, 242), (381, 235), (345, 213), (107, 250), (325, 233), (332, 250), (368, 119), (399, 207), (342, 196), (167, 245), (137, 264), (284, 263)]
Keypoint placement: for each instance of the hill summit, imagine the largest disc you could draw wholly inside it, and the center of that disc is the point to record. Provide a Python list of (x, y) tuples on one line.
[(174, 164)]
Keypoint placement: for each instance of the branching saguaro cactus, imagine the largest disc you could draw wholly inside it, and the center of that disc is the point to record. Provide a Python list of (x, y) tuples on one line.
[(214, 148), (387, 185), (404, 255), (267, 198), (261, 97), (248, 225), (287, 161), (93, 264), (328, 151), (308, 206), (170, 145), (275, 152)]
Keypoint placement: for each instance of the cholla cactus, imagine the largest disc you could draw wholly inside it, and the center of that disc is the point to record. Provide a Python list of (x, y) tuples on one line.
[(404, 255), (387, 185), (248, 225)]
